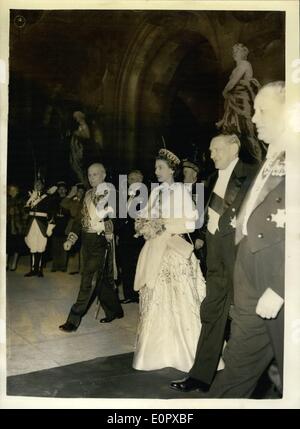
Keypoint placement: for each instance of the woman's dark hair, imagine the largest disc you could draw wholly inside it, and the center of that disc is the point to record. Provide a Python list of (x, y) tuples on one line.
[(177, 168)]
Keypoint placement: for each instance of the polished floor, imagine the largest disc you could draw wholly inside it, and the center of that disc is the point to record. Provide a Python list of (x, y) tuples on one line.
[(104, 377), (93, 362), (37, 306)]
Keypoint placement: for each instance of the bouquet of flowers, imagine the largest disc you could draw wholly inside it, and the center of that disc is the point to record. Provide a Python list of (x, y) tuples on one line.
[(149, 228)]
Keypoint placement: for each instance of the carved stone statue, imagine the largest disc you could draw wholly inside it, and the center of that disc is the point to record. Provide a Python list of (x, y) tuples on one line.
[(239, 94), (79, 140)]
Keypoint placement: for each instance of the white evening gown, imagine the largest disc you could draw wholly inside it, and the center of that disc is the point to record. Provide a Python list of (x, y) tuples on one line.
[(169, 324)]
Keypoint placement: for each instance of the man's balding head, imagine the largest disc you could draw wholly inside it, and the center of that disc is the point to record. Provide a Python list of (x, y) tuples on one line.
[(96, 174), (269, 117), (224, 149)]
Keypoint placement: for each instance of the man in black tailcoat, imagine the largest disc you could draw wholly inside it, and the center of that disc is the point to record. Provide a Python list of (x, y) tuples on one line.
[(226, 189), (128, 245), (191, 172), (258, 314)]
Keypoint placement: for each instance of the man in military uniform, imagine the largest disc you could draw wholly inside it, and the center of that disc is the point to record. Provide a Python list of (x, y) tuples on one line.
[(15, 225), (60, 218), (72, 203), (258, 315), (40, 208), (97, 256), (228, 187)]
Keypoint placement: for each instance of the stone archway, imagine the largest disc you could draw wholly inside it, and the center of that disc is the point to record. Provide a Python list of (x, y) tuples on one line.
[(149, 81)]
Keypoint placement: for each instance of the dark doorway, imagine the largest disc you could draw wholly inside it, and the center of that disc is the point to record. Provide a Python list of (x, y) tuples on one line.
[(193, 103)]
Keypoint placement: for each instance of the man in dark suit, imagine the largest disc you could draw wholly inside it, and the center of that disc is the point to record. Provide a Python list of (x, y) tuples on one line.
[(258, 316), (128, 246), (191, 172), (229, 185)]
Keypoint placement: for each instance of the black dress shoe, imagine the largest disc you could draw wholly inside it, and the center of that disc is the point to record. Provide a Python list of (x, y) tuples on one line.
[(128, 300), (40, 274), (110, 319), (189, 384), (68, 327), (30, 274)]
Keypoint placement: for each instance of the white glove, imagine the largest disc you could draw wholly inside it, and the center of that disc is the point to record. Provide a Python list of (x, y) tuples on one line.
[(67, 245), (73, 192), (52, 190), (269, 304), (199, 243), (32, 196)]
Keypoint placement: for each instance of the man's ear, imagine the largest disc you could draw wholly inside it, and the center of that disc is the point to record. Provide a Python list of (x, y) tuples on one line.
[(236, 149)]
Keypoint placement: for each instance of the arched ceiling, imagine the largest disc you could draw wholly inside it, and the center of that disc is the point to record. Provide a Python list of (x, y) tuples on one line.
[(126, 67), (59, 48)]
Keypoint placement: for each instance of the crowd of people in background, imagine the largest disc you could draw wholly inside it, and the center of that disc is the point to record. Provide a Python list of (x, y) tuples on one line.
[(38, 223), (40, 220)]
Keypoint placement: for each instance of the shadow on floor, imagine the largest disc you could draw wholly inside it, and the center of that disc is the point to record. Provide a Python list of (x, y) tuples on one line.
[(105, 377)]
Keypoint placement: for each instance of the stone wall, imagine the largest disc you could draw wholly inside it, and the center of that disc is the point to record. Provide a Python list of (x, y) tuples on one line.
[(130, 70)]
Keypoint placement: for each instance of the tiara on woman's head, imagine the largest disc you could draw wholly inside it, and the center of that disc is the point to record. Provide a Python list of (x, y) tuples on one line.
[(169, 156)]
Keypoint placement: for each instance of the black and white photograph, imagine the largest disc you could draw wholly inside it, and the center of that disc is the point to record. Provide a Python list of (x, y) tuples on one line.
[(150, 204)]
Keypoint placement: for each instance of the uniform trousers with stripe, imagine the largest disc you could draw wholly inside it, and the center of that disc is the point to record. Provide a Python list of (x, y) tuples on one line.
[(96, 260)]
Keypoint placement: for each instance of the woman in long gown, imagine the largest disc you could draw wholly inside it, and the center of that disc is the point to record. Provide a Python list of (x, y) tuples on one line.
[(171, 286)]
